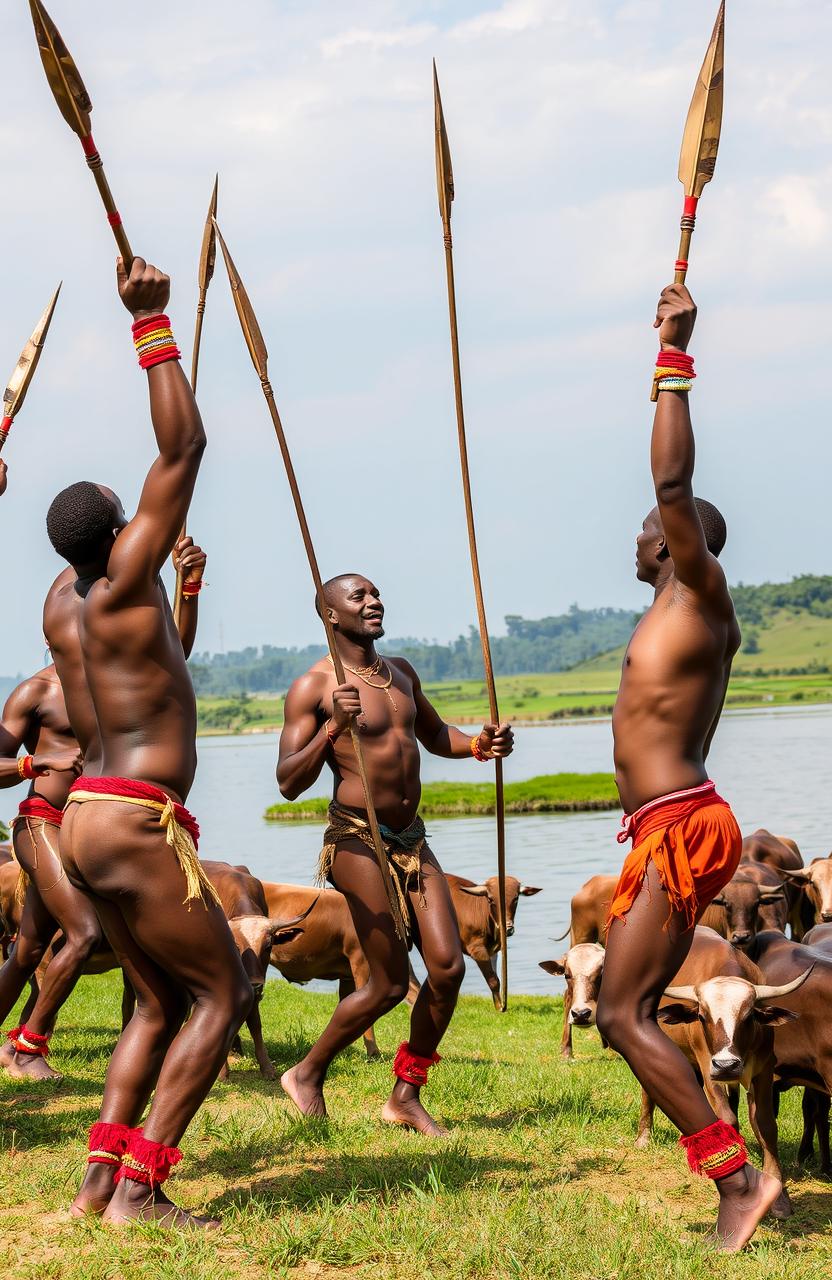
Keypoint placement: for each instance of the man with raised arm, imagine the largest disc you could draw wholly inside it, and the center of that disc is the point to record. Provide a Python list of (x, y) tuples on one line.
[(686, 842), (127, 838), (36, 717), (394, 717)]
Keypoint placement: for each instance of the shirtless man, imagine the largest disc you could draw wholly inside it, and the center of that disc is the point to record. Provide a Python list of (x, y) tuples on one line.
[(136, 854), (36, 715), (686, 842), (394, 716)]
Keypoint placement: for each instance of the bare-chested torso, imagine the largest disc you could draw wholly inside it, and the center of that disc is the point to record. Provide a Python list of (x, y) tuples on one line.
[(51, 732), (673, 684)]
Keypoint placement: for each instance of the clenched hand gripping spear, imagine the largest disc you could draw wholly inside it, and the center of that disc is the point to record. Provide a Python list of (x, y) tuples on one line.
[(75, 105), (207, 261), (259, 355), (700, 141), (24, 371), (445, 187)]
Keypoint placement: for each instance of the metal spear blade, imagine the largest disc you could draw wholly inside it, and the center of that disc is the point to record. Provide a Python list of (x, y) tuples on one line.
[(700, 142), (251, 329), (208, 255), (24, 370), (444, 168), (65, 82)]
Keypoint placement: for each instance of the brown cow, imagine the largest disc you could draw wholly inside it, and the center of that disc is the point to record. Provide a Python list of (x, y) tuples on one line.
[(717, 1012), (781, 854), (476, 911), (582, 967), (756, 898), (590, 907)]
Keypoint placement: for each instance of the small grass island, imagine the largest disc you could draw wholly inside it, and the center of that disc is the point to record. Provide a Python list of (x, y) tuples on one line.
[(550, 793)]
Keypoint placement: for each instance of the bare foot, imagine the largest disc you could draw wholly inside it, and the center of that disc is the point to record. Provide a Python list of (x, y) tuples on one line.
[(134, 1202), (31, 1066), (95, 1191), (307, 1097), (411, 1115), (745, 1197)]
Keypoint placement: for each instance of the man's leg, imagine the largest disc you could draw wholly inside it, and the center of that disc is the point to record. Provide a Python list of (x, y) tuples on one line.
[(642, 958), (37, 929), (439, 944), (356, 874), (76, 916)]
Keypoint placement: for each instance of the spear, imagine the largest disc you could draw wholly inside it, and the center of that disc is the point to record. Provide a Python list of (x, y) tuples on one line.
[(445, 188), (75, 105), (259, 355), (700, 141), (207, 261), (24, 370)]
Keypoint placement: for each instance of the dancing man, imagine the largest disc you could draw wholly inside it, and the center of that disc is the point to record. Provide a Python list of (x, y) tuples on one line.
[(393, 716), (686, 842), (136, 853)]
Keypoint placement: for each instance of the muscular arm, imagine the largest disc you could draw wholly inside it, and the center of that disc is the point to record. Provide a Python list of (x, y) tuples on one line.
[(191, 559), (143, 545), (437, 737), (17, 728), (303, 741)]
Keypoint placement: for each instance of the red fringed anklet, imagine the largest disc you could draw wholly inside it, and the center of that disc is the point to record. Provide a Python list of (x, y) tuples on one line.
[(148, 1162), (716, 1151), (108, 1143), (29, 1042), (410, 1067)]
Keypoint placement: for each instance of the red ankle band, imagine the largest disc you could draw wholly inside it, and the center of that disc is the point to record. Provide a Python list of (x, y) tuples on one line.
[(410, 1067), (148, 1162), (716, 1151), (26, 1041), (108, 1143)]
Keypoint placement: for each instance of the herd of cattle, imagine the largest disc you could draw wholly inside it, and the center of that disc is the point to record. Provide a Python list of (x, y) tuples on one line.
[(723, 1008), (720, 1011)]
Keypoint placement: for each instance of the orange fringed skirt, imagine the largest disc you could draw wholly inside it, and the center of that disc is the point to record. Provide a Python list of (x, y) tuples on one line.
[(694, 842)]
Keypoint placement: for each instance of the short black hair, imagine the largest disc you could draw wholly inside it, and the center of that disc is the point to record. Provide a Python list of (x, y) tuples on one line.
[(333, 582), (713, 524), (78, 522)]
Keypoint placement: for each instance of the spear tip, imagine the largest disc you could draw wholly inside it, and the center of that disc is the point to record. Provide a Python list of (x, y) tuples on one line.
[(700, 141), (444, 168), (248, 320)]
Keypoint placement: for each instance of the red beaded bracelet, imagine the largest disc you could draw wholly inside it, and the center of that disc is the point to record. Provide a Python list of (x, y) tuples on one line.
[(477, 751), (26, 767), (190, 589), (154, 341)]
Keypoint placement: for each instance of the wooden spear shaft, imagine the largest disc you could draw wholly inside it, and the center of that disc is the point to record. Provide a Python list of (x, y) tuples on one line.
[(200, 315)]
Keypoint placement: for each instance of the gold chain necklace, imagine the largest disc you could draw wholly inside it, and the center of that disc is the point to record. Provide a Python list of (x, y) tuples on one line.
[(365, 674)]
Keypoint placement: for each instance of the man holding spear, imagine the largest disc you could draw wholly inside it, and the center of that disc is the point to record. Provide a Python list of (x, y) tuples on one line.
[(394, 717)]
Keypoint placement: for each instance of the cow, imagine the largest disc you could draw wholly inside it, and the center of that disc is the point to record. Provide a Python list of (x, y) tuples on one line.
[(718, 1012), (582, 966), (803, 1049), (755, 898), (589, 910), (781, 855), (476, 907), (816, 882)]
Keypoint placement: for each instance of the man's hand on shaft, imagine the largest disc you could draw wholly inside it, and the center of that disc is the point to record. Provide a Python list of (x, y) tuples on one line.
[(146, 291), (675, 318), (497, 740), (346, 705), (191, 559)]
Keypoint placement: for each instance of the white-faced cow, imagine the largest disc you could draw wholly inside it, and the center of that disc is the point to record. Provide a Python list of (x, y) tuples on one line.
[(582, 966), (719, 1012), (816, 883)]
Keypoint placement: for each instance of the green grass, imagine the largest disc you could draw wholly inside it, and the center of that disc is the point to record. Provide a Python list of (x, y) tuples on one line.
[(539, 1179), (550, 793)]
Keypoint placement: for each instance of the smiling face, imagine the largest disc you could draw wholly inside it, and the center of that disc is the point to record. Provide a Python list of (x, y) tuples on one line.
[(355, 607), (651, 548)]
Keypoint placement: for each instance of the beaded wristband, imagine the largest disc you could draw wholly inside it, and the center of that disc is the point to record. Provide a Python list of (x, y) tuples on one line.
[(477, 751), (674, 372), (191, 589), (26, 767), (154, 341)]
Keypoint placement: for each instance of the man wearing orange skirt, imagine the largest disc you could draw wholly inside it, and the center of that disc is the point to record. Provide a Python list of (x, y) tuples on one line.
[(686, 842)]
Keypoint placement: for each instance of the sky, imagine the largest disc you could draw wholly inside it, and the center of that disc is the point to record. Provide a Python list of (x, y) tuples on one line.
[(565, 119)]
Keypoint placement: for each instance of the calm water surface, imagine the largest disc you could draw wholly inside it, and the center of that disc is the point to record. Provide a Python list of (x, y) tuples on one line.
[(771, 765)]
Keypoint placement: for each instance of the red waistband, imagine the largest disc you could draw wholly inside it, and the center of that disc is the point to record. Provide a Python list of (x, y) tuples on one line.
[(128, 788), (664, 810), (37, 807)]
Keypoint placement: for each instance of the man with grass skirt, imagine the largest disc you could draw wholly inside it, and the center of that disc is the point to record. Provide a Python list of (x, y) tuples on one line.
[(393, 716), (127, 839), (686, 842)]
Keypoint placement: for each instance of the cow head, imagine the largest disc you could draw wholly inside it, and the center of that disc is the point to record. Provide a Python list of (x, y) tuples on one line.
[(816, 879), (490, 889), (255, 936), (582, 967), (749, 907), (729, 1010)]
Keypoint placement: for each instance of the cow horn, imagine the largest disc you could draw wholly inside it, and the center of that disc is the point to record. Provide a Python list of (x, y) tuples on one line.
[(476, 890), (280, 925), (775, 993), (803, 874), (681, 993)]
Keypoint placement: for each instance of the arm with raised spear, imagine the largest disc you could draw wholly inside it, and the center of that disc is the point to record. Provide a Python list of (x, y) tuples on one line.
[(445, 189)]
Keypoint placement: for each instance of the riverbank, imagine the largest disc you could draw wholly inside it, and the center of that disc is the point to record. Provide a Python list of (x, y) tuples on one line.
[(549, 793), (539, 1177)]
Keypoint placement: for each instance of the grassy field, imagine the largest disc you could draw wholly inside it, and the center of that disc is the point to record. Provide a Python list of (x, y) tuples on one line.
[(539, 1178), (550, 793)]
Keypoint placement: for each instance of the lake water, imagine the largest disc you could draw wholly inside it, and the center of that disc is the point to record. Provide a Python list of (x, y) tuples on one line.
[(772, 765)]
